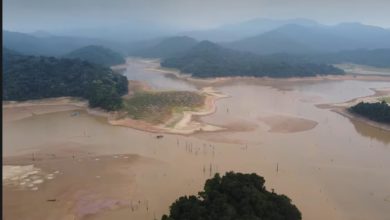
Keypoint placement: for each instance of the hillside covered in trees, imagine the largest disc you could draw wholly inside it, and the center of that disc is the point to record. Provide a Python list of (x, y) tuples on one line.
[(30, 77), (207, 59), (379, 111), (234, 196), (98, 55), (167, 47)]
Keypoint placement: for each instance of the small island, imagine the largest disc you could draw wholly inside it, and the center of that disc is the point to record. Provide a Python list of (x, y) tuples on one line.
[(378, 111), (373, 110)]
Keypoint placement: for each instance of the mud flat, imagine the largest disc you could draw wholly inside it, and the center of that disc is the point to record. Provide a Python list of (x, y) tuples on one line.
[(288, 124), (92, 170), (68, 184), (25, 109)]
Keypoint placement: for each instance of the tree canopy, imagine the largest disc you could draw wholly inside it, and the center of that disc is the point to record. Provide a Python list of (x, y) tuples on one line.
[(379, 111), (235, 196), (30, 77)]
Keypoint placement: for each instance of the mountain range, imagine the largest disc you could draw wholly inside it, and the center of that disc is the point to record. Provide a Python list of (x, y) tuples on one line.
[(207, 59), (97, 54), (246, 29), (44, 44), (296, 39), (293, 38)]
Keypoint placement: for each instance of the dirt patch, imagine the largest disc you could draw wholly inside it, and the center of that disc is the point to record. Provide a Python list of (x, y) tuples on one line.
[(78, 184)]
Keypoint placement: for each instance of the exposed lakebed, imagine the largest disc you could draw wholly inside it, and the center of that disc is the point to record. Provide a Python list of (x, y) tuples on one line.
[(327, 163)]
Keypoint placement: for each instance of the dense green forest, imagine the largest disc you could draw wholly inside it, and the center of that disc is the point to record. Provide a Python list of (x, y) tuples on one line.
[(379, 111), (98, 55), (207, 59), (234, 196), (31, 77)]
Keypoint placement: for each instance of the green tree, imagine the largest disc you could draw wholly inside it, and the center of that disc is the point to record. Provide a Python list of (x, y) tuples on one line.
[(235, 196), (379, 111)]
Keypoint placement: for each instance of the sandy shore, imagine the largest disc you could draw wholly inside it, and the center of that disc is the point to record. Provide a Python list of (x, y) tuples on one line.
[(342, 108)]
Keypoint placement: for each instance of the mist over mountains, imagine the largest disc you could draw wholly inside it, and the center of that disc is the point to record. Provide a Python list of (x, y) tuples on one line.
[(294, 39), (246, 29)]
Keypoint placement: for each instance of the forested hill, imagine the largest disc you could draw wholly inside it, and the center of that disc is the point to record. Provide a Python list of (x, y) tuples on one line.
[(207, 59), (8, 55), (168, 47), (30, 77), (97, 54)]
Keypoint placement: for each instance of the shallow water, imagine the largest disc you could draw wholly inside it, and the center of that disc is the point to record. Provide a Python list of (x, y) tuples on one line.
[(337, 170), (138, 69)]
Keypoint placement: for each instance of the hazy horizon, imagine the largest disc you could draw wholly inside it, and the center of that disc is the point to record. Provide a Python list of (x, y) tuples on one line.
[(177, 16)]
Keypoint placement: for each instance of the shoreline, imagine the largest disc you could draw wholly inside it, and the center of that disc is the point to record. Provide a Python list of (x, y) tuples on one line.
[(187, 122), (342, 108), (266, 81), (184, 123)]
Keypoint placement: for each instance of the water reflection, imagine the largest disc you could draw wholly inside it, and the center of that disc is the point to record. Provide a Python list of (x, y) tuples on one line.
[(371, 132)]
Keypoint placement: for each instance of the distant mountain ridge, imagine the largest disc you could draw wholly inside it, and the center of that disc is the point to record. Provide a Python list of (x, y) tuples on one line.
[(166, 47), (97, 54), (51, 45), (245, 29), (293, 38), (298, 39)]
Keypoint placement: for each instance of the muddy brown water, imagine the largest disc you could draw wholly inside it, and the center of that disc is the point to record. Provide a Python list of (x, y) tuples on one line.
[(337, 170)]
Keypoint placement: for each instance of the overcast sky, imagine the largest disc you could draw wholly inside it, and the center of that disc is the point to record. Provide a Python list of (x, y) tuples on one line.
[(29, 15)]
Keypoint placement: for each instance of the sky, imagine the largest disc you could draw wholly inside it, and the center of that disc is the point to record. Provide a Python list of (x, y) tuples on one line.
[(30, 15)]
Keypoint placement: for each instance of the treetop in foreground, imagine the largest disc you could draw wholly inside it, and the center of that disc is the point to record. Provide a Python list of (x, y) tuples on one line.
[(235, 196)]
